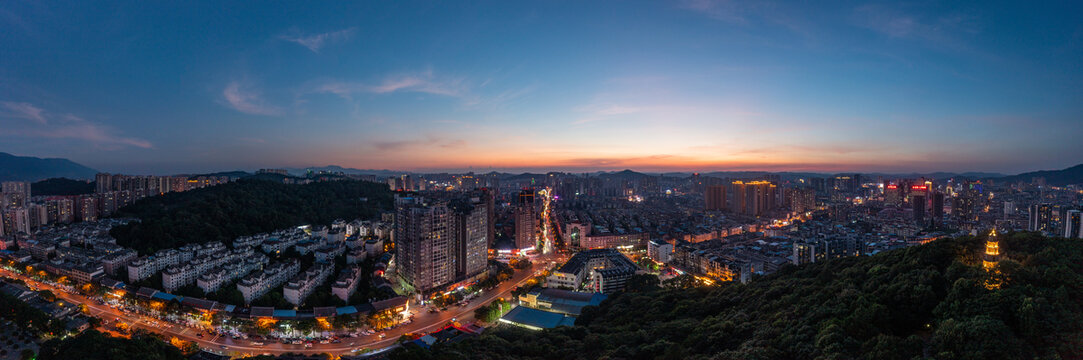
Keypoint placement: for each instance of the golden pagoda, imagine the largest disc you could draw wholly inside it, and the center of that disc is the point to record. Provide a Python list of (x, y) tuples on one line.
[(992, 251)]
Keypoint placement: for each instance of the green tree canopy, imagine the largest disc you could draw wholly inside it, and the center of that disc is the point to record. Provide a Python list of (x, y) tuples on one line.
[(93, 345), (245, 207), (928, 301)]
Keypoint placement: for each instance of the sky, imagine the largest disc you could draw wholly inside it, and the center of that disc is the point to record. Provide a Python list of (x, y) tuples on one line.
[(148, 87)]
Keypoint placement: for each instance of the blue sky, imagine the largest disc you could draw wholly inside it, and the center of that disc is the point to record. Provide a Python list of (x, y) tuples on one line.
[(683, 85)]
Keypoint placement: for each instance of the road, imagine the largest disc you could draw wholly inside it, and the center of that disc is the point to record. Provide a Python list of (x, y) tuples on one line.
[(423, 321)]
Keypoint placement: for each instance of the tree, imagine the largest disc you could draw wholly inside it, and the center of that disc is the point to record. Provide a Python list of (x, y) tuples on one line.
[(93, 345), (190, 348), (520, 264), (61, 186), (926, 301), (681, 282), (380, 319), (244, 207), (348, 322), (482, 313), (305, 326), (642, 282), (25, 316)]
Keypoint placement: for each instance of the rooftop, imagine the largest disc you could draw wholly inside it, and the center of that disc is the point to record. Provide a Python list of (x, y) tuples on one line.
[(536, 319)]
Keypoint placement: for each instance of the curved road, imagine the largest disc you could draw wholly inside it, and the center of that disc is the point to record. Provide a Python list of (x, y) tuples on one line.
[(423, 321)]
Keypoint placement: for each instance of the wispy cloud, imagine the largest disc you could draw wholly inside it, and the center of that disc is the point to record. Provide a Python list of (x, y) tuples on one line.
[(66, 126), (943, 31), (597, 112), (430, 141), (94, 133), (661, 113), (619, 110), (725, 10), (315, 42), (246, 100), (617, 162), (422, 82), (24, 111), (785, 15)]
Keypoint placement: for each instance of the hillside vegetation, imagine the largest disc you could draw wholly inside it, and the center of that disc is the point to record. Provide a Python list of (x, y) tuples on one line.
[(93, 345), (245, 207), (61, 186), (925, 302), (1072, 175)]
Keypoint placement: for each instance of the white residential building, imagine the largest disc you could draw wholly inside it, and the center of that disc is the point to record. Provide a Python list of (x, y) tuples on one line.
[(328, 252), (255, 285), (374, 246), (249, 241), (346, 283), (354, 242), (142, 268), (212, 280), (356, 256), (178, 276), (659, 250), (304, 283)]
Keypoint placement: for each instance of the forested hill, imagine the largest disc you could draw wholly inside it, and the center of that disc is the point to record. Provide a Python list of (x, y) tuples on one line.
[(61, 186), (925, 302), (245, 207)]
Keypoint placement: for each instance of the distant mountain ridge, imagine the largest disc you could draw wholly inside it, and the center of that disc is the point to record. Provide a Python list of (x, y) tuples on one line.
[(626, 174), (1072, 175), (236, 174), (29, 168), (349, 171)]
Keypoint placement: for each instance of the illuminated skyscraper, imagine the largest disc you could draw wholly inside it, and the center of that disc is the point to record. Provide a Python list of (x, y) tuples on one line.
[(892, 194), (754, 198), (1073, 224), (87, 208), (487, 197), (918, 202), (937, 210), (17, 187), (470, 236), (1040, 217), (16, 220), (803, 200), (423, 249), (468, 182), (715, 197), (439, 242), (526, 221), (697, 183)]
